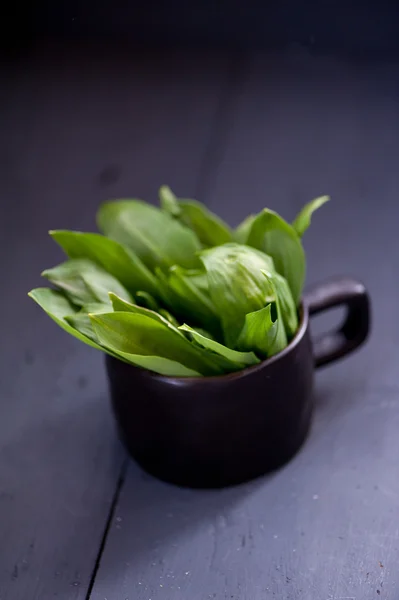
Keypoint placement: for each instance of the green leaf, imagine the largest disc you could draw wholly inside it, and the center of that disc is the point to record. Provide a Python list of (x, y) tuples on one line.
[(195, 277), (198, 278), (257, 333), (138, 334), (168, 297), (120, 305), (169, 317), (289, 312), (242, 230), (280, 337), (146, 300), (210, 229), (84, 282), (303, 219), (156, 238), (94, 307), (169, 202), (183, 293), (263, 331), (58, 308), (277, 238), (262, 334), (236, 284), (240, 359), (81, 320), (195, 302), (160, 365), (202, 332), (114, 258)]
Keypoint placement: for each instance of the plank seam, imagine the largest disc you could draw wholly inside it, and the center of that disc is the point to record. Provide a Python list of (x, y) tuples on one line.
[(111, 514)]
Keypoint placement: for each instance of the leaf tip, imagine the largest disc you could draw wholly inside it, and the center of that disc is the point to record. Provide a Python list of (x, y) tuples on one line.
[(169, 201), (320, 200), (55, 232)]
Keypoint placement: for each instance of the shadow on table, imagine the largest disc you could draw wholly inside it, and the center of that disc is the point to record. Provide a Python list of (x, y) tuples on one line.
[(154, 522), (155, 525)]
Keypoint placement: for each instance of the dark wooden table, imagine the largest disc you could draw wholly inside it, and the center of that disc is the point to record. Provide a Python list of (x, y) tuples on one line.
[(78, 520)]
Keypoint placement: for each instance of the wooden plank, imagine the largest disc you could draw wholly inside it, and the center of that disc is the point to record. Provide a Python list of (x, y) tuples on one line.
[(79, 125), (325, 527)]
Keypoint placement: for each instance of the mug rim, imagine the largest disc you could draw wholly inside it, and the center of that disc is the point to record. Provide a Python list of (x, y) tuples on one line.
[(227, 377)]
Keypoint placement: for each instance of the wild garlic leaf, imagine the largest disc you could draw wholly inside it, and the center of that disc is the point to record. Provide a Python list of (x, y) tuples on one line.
[(114, 258), (169, 317), (71, 283), (156, 238), (280, 337), (85, 282), (242, 230), (236, 284), (94, 307), (81, 320), (199, 279), (159, 364), (168, 297), (102, 285), (139, 334), (202, 332), (257, 334), (263, 331), (288, 309), (277, 238), (304, 218), (238, 359), (57, 307), (183, 293), (195, 302), (120, 305), (169, 202), (210, 229), (146, 300), (157, 268)]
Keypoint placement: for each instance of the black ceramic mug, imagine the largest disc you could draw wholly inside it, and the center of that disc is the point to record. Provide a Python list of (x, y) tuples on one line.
[(224, 430)]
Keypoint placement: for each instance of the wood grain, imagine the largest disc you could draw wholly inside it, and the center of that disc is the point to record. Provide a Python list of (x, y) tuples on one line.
[(326, 526), (79, 125)]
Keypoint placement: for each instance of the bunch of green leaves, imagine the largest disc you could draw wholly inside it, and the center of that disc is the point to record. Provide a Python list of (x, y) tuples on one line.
[(175, 290)]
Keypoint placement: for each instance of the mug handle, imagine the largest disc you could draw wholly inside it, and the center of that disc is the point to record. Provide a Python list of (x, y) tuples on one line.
[(354, 331)]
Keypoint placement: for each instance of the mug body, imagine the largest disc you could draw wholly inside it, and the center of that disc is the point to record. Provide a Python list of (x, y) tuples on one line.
[(216, 431)]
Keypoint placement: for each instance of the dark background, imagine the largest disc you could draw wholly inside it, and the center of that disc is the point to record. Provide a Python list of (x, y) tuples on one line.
[(368, 27)]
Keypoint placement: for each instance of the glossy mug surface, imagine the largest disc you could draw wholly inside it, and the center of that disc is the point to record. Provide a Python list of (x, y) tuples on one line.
[(225, 430)]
